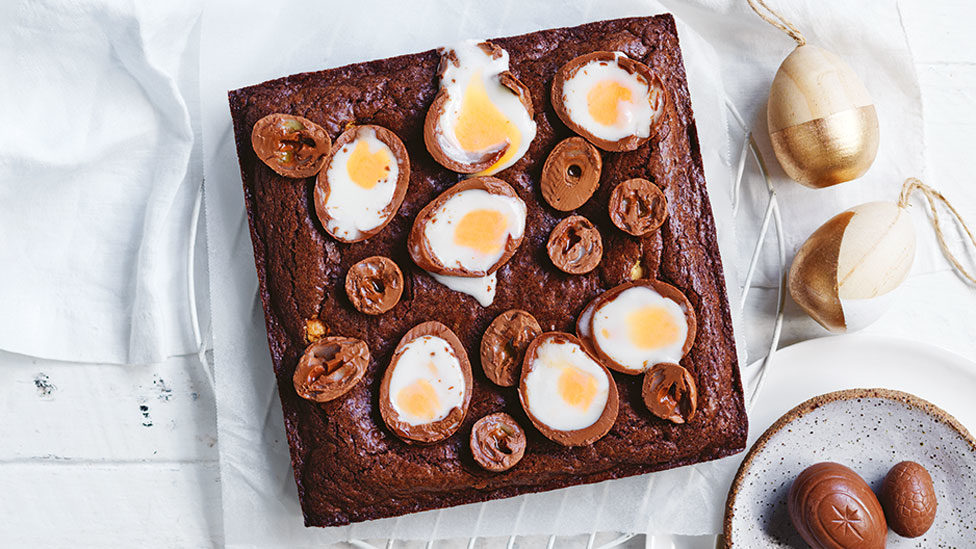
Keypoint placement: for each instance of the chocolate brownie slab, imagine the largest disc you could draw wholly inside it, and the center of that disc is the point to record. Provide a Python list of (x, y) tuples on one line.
[(348, 466)]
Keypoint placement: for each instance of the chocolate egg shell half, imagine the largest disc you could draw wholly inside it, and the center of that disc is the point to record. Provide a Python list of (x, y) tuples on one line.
[(669, 392), (571, 174), (290, 145), (433, 129), (575, 245), (504, 344), (438, 429), (420, 247), (832, 507), (575, 385), (330, 367), (374, 285), (497, 442), (357, 199), (665, 290), (657, 98), (908, 498)]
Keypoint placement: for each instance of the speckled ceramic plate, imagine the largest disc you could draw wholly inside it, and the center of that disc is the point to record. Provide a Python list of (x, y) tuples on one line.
[(869, 430)]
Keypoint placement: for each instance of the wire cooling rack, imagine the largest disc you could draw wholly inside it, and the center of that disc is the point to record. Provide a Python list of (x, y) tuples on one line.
[(771, 219)]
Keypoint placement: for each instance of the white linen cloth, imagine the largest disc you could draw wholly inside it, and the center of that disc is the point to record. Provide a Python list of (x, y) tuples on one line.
[(99, 167), (259, 497)]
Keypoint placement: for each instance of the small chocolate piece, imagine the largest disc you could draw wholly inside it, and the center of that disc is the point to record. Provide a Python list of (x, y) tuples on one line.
[(504, 343), (670, 393), (432, 122), (497, 442), (832, 507), (374, 285), (637, 206), (330, 367), (658, 98), (420, 249), (584, 323), (575, 246), (346, 143), (426, 433), (290, 145), (908, 498), (571, 174), (576, 437)]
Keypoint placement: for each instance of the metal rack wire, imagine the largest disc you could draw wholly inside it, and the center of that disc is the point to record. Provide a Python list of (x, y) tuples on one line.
[(771, 217)]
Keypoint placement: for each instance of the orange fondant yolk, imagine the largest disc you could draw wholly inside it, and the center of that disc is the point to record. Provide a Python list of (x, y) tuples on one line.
[(576, 387), (482, 230), (651, 328), (603, 101), (419, 400), (481, 126), (367, 168)]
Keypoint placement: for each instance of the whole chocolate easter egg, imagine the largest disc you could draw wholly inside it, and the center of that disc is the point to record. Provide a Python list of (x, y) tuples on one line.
[(833, 508)]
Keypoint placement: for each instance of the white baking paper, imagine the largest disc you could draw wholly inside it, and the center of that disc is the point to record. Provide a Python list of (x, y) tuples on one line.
[(243, 45)]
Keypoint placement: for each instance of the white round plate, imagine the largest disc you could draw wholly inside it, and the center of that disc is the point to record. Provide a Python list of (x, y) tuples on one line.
[(868, 431)]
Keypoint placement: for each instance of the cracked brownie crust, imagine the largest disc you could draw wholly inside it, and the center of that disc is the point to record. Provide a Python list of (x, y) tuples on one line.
[(348, 466)]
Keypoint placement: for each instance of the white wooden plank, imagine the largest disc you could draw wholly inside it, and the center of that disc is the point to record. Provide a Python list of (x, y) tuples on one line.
[(70, 504), (54, 411)]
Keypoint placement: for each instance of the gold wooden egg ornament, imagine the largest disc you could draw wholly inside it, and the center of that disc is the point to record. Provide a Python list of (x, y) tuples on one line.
[(822, 122), (844, 274)]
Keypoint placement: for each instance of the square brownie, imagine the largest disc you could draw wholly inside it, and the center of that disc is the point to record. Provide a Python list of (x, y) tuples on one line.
[(348, 466)]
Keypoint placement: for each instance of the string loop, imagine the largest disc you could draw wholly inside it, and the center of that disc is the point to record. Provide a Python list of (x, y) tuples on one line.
[(777, 20), (933, 197)]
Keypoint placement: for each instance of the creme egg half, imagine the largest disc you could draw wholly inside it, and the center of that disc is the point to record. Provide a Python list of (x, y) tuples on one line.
[(638, 327), (569, 396), (608, 98), (427, 381), (470, 230), (362, 184), (481, 120)]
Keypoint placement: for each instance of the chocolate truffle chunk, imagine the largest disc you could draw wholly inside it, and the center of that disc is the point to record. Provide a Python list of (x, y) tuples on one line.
[(637, 206), (571, 174), (290, 145), (831, 507), (908, 498), (504, 343), (374, 285), (670, 393), (362, 184), (497, 442), (426, 389), (575, 246), (330, 367)]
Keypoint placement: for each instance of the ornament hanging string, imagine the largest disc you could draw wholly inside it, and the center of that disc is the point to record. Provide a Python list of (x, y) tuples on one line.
[(777, 20), (934, 197)]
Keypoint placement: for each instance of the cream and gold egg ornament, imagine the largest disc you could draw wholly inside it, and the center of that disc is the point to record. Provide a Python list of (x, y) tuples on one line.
[(844, 274), (822, 122)]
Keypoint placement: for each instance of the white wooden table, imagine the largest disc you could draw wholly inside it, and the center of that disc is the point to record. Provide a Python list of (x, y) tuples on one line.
[(127, 455)]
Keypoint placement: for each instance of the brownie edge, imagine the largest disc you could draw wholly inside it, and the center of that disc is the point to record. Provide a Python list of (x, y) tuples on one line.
[(348, 466)]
